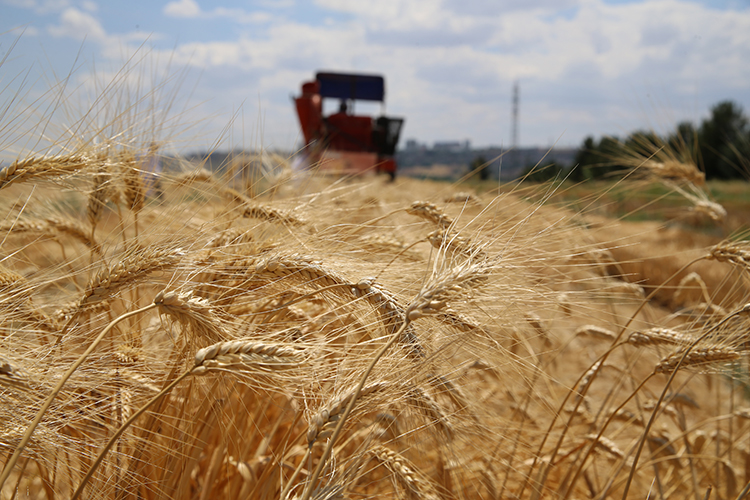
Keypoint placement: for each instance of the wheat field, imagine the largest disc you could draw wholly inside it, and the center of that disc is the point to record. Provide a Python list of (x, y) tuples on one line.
[(264, 334)]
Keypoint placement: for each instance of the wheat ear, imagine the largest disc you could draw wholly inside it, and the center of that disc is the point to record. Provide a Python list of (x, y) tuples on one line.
[(596, 332), (452, 242), (324, 422), (75, 230), (56, 224), (12, 376), (696, 357), (99, 196), (430, 409), (132, 269), (252, 210), (314, 273), (245, 354), (270, 214), (463, 197), (38, 168), (605, 444), (659, 336), (191, 311), (453, 391), (133, 186), (672, 366), (405, 474), (734, 252), (710, 209), (675, 170), (431, 213)]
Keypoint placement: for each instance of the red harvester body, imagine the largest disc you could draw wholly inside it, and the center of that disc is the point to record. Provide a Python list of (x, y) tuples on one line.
[(343, 142)]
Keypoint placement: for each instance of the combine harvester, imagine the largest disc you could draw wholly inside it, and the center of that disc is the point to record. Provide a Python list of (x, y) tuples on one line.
[(343, 143)]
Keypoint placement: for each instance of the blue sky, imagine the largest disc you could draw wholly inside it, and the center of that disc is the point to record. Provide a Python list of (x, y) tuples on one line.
[(202, 72)]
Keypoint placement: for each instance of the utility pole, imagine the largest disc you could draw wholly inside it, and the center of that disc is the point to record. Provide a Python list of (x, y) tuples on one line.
[(514, 127)]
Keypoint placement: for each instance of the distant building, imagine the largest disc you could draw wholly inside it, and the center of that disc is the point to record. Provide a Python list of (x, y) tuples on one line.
[(458, 155), (413, 145), (452, 146)]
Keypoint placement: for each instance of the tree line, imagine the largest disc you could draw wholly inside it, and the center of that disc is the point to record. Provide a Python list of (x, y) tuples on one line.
[(719, 146)]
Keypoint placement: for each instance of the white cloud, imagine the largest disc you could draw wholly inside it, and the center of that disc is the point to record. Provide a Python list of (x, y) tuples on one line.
[(78, 25), (450, 70), (191, 10), (39, 7), (183, 8), (89, 6), (240, 16)]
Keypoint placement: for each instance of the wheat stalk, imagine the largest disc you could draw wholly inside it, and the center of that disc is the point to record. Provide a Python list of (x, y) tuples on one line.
[(11, 462), (688, 279)]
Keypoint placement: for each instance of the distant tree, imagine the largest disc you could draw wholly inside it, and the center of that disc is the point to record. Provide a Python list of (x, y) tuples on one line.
[(585, 158), (595, 161), (721, 145), (643, 143), (479, 166), (684, 139), (549, 171), (724, 140), (607, 152)]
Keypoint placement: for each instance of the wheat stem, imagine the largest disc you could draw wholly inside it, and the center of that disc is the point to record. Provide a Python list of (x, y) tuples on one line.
[(289, 484), (122, 429), (663, 394), (602, 359), (40, 414), (599, 435), (327, 451)]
